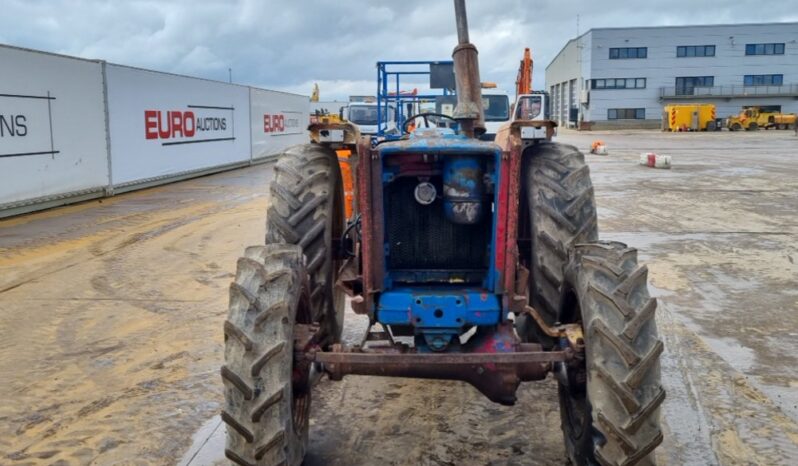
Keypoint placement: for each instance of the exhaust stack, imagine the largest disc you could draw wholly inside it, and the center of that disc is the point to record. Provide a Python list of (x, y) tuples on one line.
[(466, 71)]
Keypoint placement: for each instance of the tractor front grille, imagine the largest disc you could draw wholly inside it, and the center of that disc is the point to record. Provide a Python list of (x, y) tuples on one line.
[(420, 237)]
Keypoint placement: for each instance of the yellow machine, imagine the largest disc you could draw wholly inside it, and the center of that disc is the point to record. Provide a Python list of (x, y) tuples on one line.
[(689, 117), (314, 97), (753, 118)]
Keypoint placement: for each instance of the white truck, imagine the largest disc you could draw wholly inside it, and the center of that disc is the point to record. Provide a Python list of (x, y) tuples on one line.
[(495, 104), (528, 107), (364, 115)]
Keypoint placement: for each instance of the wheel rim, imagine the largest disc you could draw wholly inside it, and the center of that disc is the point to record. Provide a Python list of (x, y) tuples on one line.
[(577, 414), (575, 402), (300, 411), (576, 405), (300, 383)]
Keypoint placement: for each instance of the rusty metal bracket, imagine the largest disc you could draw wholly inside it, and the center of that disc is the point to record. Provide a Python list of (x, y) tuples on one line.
[(384, 335), (335, 132), (549, 125), (496, 375), (571, 332), (440, 359)]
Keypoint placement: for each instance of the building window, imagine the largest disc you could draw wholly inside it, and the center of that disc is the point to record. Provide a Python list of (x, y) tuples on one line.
[(685, 85), (764, 49), (628, 52), (626, 114), (695, 51), (619, 83), (763, 79)]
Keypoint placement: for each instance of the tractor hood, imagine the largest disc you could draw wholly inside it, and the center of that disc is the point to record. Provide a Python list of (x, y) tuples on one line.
[(437, 141)]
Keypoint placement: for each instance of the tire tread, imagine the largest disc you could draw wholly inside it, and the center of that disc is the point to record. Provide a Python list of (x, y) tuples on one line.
[(305, 187), (623, 351), (264, 298), (562, 212)]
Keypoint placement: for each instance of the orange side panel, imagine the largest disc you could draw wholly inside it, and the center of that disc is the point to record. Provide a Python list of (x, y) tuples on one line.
[(346, 175)]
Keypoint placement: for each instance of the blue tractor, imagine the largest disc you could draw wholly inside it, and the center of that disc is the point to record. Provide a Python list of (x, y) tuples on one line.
[(476, 261)]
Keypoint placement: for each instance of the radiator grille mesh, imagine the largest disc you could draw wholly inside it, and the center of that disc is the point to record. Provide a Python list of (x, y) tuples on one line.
[(420, 237)]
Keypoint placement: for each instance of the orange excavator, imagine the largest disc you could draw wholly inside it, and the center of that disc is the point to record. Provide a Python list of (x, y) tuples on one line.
[(529, 104), (523, 83), (530, 114)]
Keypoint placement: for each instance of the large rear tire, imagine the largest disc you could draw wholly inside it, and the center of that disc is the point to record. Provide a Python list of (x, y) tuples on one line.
[(307, 209), (562, 212), (266, 396), (610, 404)]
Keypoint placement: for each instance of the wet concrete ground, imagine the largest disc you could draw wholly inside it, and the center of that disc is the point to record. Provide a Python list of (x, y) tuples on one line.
[(111, 312)]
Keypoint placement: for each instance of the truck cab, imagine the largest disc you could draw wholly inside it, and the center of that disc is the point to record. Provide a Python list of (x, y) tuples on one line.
[(532, 106), (364, 115), (496, 105)]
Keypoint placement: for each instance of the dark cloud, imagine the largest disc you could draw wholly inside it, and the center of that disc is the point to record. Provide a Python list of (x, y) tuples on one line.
[(290, 45)]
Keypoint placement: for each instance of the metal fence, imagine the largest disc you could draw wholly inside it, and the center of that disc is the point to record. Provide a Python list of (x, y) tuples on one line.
[(785, 90)]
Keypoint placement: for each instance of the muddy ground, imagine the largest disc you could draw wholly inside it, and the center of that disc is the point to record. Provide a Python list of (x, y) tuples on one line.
[(111, 312)]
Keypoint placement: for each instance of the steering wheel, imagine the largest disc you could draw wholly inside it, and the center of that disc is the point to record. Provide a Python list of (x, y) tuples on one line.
[(426, 121)]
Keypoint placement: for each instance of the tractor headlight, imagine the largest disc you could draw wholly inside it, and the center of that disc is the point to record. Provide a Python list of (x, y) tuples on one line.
[(425, 193)]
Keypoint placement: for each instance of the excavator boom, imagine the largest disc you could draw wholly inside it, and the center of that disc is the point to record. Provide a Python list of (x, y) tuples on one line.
[(523, 83)]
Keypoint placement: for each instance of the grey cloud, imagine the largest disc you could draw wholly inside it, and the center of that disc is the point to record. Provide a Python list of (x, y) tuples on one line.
[(290, 45)]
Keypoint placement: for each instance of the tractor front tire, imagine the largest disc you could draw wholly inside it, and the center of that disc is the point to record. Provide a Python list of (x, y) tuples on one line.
[(610, 405), (266, 405), (307, 210), (562, 212)]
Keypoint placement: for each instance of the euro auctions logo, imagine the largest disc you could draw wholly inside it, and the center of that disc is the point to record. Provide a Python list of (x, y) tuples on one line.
[(281, 123), (273, 123), (195, 124)]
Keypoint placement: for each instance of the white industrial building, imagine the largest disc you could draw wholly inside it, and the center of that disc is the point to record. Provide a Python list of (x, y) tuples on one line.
[(622, 77)]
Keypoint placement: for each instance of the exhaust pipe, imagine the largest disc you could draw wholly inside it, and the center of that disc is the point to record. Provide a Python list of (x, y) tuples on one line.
[(466, 71)]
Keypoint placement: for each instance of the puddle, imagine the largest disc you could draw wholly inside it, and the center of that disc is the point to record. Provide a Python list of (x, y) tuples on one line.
[(736, 355), (656, 292)]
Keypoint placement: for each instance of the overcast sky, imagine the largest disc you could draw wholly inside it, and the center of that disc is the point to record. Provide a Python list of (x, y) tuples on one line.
[(290, 45)]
